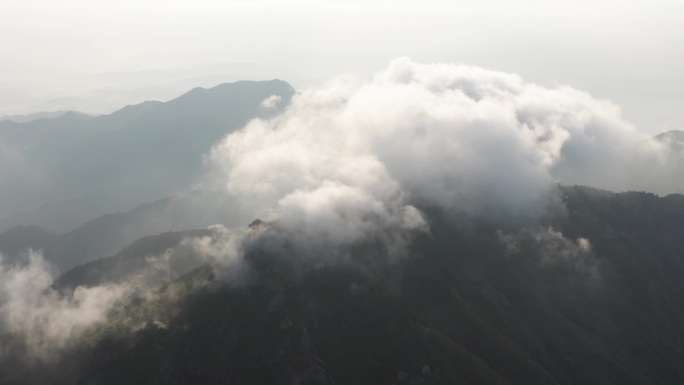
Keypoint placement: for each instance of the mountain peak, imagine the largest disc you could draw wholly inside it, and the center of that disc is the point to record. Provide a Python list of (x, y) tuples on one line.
[(674, 139), (672, 135)]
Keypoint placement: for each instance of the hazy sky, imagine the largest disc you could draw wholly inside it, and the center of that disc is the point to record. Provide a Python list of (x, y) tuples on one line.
[(96, 56)]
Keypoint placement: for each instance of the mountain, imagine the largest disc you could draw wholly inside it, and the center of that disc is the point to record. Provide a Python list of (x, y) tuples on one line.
[(40, 132), (134, 258), (675, 135), (674, 138), (42, 115), (123, 116), (58, 173), (107, 234), (592, 296)]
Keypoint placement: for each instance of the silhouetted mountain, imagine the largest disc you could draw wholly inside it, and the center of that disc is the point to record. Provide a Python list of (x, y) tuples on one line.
[(101, 237), (674, 138), (594, 296), (672, 134), (132, 259), (62, 214), (123, 116), (43, 115), (138, 154), (41, 132), (107, 234)]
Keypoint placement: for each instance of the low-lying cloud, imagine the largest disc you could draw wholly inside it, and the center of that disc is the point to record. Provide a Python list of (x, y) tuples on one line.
[(45, 319), (549, 248)]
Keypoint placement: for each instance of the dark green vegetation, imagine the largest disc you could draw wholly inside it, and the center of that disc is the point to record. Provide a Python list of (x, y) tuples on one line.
[(475, 303)]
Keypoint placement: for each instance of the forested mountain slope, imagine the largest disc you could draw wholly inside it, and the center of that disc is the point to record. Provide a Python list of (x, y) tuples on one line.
[(592, 296)]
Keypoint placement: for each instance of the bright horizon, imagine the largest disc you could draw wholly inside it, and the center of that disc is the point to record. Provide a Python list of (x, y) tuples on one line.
[(98, 57)]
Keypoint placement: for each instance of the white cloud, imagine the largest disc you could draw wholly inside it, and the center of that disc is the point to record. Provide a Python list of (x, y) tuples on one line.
[(549, 248), (271, 102), (44, 318), (457, 137)]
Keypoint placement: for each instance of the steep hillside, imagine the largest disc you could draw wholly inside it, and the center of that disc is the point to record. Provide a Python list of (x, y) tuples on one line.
[(594, 296), (134, 259)]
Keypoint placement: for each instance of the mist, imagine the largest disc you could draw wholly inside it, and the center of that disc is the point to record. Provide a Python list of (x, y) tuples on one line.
[(460, 138), (44, 319)]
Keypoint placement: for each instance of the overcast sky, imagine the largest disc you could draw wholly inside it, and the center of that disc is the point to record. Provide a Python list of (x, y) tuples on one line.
[(97, 56)]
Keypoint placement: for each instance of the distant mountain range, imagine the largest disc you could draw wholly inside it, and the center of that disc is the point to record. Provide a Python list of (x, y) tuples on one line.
[(43, 115), (107, 234), (60, 172)]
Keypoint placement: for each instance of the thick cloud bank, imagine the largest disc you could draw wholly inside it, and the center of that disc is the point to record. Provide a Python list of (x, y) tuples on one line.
[(349, 157)]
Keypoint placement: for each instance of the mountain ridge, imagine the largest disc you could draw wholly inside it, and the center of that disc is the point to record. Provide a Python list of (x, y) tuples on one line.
[(157, 148), (44, 115)]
